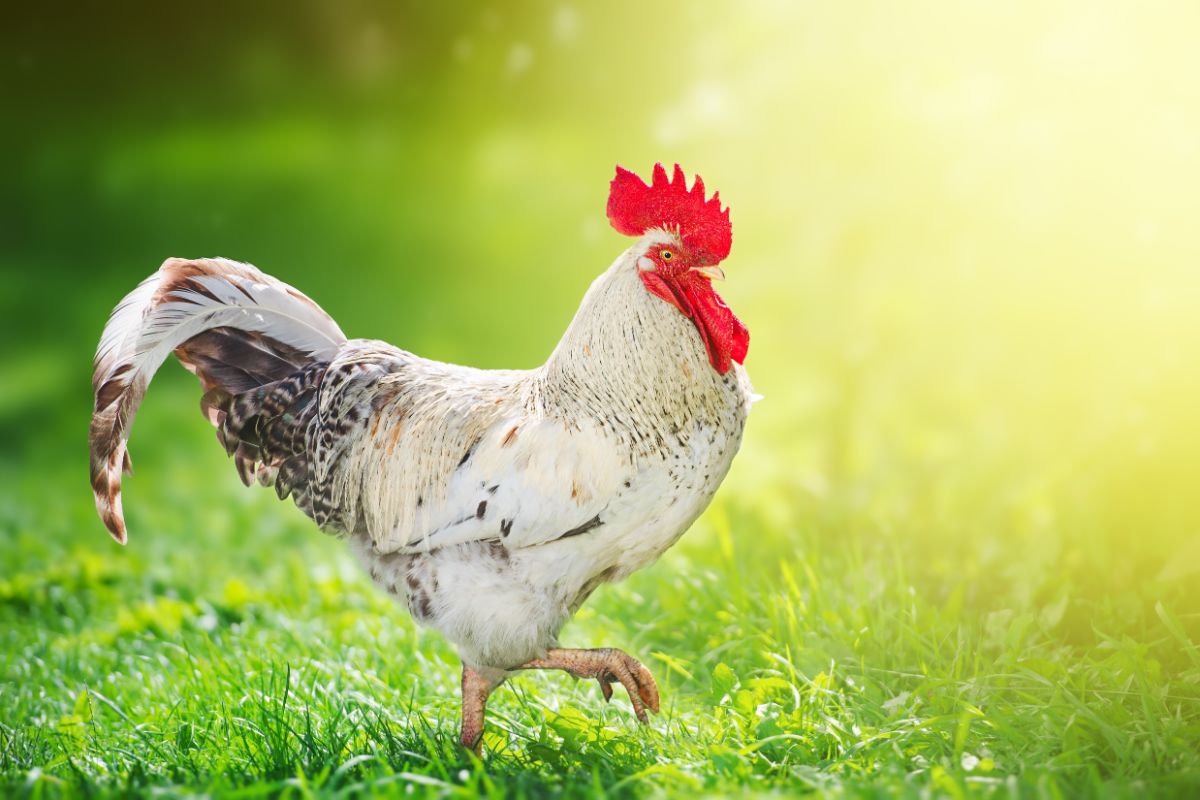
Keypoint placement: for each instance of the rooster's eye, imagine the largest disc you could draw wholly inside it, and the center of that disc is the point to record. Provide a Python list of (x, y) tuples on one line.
[(666, 255)]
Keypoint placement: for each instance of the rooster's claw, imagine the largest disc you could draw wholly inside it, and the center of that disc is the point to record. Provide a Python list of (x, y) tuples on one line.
[(607, 665)]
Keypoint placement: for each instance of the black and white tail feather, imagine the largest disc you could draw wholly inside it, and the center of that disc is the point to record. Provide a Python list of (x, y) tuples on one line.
[(259, 348)]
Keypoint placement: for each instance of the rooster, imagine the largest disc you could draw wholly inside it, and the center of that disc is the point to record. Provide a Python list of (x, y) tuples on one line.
[(491, 502)]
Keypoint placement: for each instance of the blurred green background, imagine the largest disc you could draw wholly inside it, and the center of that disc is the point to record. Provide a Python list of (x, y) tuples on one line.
[(965, 246)]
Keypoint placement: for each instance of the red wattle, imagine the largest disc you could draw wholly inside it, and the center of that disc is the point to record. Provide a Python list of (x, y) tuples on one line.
[(725, 338), (661, 288)]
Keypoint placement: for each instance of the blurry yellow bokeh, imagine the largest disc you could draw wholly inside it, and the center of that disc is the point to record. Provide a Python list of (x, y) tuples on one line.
[(964, 234)]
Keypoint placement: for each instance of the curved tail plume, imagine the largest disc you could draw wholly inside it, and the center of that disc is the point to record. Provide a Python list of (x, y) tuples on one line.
[(232, 325)]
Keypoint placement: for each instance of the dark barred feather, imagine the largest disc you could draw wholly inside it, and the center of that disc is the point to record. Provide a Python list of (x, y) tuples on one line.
[(265, 410), (237, 360), (266, 428)]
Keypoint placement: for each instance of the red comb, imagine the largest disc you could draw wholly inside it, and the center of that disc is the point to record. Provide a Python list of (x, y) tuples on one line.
[(634, 208)]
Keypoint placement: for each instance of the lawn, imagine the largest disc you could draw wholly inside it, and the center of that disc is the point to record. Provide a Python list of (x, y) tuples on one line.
[(958, 555), (803, 641)]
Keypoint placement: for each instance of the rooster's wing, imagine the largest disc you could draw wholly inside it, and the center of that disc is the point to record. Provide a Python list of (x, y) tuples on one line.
[(419, 454)]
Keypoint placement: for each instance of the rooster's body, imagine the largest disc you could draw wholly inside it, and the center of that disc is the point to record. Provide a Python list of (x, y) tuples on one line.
[(492, 502)]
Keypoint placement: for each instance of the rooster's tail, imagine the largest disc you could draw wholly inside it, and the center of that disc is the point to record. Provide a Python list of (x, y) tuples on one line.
[(229, 323)]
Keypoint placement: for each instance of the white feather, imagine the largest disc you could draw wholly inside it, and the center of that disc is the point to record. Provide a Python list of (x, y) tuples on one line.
[(142, 334)]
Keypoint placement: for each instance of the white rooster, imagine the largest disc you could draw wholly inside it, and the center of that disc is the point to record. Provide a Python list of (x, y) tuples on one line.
[(492, 502)]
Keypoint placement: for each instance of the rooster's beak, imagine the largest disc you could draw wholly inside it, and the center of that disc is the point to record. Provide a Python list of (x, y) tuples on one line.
[(713, 273)]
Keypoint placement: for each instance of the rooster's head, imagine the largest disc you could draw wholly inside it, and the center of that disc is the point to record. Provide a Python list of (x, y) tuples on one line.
[(680, 265)]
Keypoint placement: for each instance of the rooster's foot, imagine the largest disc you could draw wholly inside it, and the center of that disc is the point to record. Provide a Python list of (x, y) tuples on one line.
[(608, 666)]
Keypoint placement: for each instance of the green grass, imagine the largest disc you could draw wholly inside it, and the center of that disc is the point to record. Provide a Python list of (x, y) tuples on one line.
[(802, 643)]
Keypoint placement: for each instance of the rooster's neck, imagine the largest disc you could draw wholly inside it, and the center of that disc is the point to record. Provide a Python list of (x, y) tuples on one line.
[(628, 352)]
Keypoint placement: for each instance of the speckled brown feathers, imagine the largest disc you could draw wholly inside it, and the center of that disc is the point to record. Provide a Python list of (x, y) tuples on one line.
[(266, 430)]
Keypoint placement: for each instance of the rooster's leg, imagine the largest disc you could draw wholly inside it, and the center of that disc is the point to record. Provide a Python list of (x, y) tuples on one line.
[(607, 665), (475, 691)]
